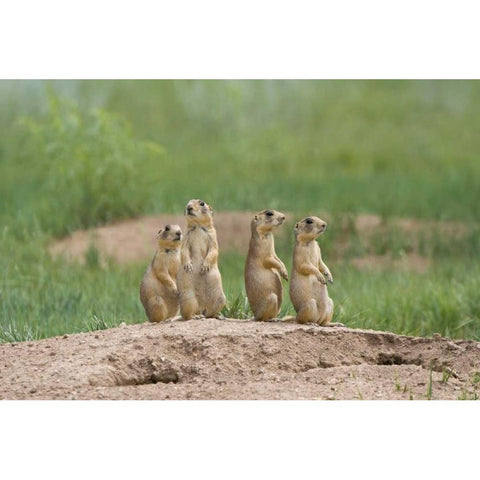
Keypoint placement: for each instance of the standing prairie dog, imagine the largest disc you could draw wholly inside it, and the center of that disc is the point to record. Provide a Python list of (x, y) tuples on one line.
[(199, 280), (308, 289), (158, 290), (263, 269)]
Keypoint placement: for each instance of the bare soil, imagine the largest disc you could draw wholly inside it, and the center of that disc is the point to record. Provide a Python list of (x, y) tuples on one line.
[(134, 240), (237, 359), (411, 262)]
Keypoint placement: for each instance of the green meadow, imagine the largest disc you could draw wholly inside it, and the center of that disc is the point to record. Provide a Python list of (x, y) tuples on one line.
[(79, 154)]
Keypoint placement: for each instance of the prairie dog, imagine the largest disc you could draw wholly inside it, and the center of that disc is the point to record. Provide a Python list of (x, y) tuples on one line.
[(308, 290), (263, 269), (158, 290), (199, 280)]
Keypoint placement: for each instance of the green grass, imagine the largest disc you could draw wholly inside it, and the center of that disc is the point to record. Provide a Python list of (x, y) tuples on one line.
[(50, 297), (446, 374), (43, 297), (80, 154), (430, 382)]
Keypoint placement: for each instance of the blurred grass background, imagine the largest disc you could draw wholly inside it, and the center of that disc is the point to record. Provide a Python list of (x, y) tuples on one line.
[(77, 154)]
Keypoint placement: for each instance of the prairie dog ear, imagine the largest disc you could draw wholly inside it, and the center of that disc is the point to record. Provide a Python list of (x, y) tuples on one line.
[(255, 218), (159, 233), (296, 226)]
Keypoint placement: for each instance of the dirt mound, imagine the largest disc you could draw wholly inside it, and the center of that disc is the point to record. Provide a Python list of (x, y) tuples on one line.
[(235, 359)]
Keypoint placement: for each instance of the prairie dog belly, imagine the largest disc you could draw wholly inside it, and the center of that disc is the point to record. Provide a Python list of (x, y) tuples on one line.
[(198, 241), (260, 279), (305, 287)]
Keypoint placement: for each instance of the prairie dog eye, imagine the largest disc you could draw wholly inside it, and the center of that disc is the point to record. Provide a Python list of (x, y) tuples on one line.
[(269, 213), (167, 228), (202, 204), (309, 221)]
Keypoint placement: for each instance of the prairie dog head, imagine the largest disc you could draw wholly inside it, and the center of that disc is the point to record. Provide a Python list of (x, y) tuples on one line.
[(198, 212), (169, 237), (309, 228), (266, 220)]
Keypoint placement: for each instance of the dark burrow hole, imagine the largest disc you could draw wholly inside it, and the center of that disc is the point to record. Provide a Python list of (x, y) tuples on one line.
[(385, 358), (143, 371), (158, 376), (164, 376)]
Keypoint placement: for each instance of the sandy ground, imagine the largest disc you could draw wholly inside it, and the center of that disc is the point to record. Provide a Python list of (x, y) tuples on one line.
[(236, 359), (134, 240)]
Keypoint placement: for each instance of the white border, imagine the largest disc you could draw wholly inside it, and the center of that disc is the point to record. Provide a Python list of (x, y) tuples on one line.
[(233, 39), (239, 440)]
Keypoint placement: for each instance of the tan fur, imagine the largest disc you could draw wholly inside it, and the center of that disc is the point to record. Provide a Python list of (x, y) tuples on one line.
[(263, 269), (199, 280), (158, 290), (308, 289)]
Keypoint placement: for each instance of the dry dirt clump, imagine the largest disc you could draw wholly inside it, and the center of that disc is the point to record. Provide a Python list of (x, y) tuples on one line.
[(235, 359)]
